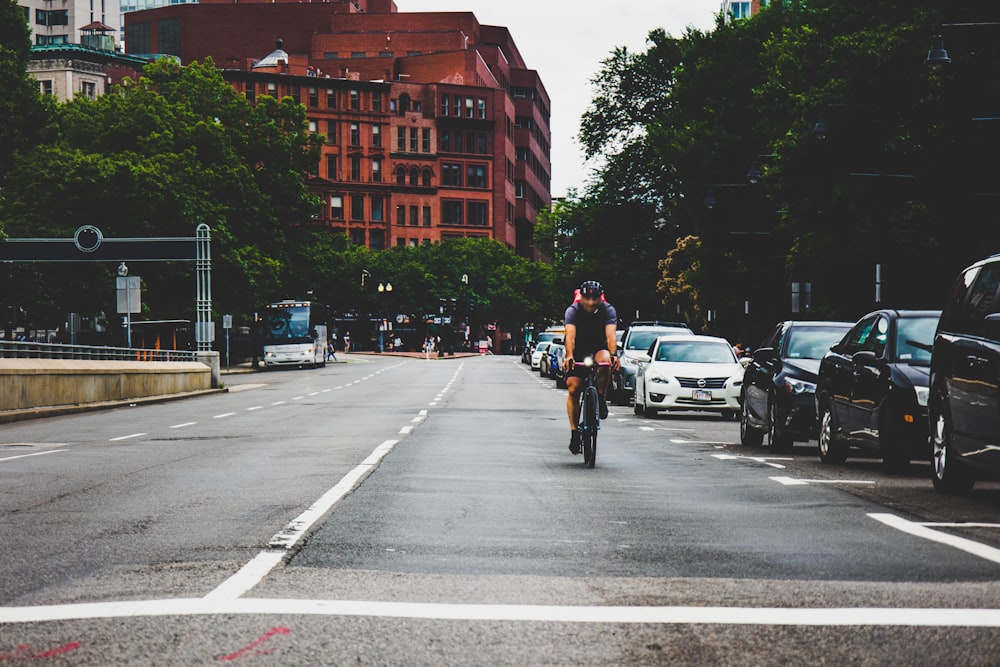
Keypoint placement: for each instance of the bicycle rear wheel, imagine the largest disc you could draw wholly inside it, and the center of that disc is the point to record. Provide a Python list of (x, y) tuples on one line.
[(591, 412)]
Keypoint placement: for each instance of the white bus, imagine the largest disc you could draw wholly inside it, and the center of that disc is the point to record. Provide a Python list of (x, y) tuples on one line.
[(294, 334)]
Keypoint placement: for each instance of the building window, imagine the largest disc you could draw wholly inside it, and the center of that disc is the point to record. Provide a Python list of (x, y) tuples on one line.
[(456, 108), (413, 216), (426, 211), (251, 93), (137, 38), (313, 97), (739, 10), (413, 140), (296, 94), (377, 239), (425, 178), (470, 142), (331, 167), (477, 213), (377, 136), (401, 241), (376, 101), (458, 141), (355, 100), (272, 89), (483, 144), (445, 141), (357, 207), (45, 86), (337, 207), (313, 126), (355, 167), (88, 89), (355, 135), (357, 54), (401, 138), (378, 209), (425, 140), (331, 98), (475, 176), (519, 189), (451, 174), (376, 171), (414, 176), (400, 214), (331, 132), (358, 236), (401, 176), (482, 107), (444, 105), (331, 55), (470, 108), (451, 212)]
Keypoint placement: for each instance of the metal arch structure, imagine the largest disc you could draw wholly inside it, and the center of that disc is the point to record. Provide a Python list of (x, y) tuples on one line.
[(89, 245)]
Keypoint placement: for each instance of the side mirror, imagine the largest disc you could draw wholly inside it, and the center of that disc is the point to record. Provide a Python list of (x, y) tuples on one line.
[(643, 358), (866, 358), (762, 355), (557, 341), (745, 361)]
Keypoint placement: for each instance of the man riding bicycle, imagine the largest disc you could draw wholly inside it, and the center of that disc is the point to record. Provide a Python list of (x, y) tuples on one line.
[(591, 323)]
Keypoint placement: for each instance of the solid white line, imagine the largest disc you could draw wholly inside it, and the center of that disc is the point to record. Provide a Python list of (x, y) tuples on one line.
[(24, 456), (248, 576), (184, 424), (223, 415), (294, 531), (126, 437), (989, 553), (760, 616), (959, 524)]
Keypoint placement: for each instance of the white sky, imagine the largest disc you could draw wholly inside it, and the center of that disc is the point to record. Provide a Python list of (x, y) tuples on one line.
[(565, 41)]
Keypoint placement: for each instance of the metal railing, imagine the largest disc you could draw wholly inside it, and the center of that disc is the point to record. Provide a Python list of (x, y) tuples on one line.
[(26, 350)]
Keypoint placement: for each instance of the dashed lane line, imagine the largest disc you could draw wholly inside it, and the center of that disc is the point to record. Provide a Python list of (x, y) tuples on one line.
[(126, 437), (24, 456)]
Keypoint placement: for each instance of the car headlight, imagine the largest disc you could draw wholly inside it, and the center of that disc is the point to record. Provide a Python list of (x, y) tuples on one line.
[(270, 355), (656, 377), (922, 394), (797, 386)]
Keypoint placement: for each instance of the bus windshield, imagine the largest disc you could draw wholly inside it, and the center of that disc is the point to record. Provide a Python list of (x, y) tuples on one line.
[(287, 325)]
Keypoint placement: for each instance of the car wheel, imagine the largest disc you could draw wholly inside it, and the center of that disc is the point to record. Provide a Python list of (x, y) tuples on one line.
[(949, 475), (831, 448), (779, 442), (749, 436)]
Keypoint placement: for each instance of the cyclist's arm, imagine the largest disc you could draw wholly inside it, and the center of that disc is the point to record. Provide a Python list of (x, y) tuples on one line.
[(611, 333), (570, 344)]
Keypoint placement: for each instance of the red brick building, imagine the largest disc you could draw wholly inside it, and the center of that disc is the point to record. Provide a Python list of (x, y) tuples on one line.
[(434, 124)]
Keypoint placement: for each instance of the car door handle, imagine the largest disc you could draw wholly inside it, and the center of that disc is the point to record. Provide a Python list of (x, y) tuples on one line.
[(977, 361)]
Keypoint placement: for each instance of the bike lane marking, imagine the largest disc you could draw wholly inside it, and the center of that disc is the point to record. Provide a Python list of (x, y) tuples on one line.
[(983, 551)]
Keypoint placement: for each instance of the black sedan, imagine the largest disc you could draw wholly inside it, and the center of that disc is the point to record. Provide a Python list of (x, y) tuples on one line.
[(873, 387), (779, 385)]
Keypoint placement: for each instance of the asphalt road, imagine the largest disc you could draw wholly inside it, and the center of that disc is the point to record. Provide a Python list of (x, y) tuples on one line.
[(392, 511)]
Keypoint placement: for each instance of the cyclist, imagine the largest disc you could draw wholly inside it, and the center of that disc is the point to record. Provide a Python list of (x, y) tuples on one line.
[(591, 323)]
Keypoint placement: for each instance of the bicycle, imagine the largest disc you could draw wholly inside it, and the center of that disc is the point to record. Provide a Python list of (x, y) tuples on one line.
[(590, 412)]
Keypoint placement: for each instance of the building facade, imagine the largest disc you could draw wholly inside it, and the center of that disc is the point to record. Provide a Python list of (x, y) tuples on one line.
[(61, 22), (741, 9), (434, 126)]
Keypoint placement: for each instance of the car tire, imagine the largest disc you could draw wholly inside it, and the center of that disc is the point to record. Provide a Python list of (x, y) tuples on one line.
[(949, 476), (779, 442), (749, 436), (831, 448)]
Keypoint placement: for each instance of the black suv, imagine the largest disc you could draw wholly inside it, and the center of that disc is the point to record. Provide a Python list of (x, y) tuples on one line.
[(779, 384), (873, 387), (964, 403)]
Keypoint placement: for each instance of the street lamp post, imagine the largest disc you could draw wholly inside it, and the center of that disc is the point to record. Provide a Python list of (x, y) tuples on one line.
[(384, 325)]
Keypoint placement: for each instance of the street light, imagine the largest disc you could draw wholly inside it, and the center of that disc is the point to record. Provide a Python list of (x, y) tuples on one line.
[(937, 56), (385, 324)]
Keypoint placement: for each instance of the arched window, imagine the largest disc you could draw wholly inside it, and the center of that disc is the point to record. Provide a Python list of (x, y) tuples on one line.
[(426, 178), (401, 176), (414, 176)]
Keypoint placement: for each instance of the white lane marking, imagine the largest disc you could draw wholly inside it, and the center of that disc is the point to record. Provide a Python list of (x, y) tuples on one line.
[(297, 398), (650, 428), (340, 387), (224, 415), (985, 552), (184, 425), (294, 531), (791, 481), (432, 403), (24, 456), (248, 576), (278, 403), (422, 413), (766, 460), (126, 437), (315, 393), (761, 616), (325, 390), (417, 419), (405, 430), (256, 407), (958, 524)]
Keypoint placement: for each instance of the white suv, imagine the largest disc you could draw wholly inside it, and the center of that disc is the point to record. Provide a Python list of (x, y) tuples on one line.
[(636, 341)]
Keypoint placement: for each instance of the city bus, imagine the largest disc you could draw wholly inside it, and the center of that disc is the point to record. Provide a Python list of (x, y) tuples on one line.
[(294, 333)]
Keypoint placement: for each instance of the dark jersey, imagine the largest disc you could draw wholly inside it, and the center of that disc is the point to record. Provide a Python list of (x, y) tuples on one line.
[(590, 328)]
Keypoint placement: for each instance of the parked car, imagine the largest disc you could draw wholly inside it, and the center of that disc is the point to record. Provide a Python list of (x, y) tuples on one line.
[(964, 402), (557, 352), (873, 387), (688, 373), (636, 339), (545, 364), (548, 335), (779, 385), (536, 356)]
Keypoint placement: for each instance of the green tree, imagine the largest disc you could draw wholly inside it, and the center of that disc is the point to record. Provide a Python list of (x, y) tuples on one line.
[(22, 109)]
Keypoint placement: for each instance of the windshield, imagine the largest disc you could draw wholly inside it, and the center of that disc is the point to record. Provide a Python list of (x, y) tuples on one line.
[(641, 340), (914, 337), (812, 342), (695, 352), (287, 325)]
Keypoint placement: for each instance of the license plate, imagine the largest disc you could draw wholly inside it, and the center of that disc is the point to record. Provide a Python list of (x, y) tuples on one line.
[(701, 395)]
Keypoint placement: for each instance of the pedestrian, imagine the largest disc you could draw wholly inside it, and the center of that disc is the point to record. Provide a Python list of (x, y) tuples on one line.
[(347, 342), (331, 351)]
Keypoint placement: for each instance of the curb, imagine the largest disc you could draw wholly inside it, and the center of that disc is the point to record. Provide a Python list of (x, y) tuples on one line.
[(11, 416)]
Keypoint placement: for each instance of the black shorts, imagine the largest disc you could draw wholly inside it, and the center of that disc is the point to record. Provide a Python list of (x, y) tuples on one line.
[(579, 370)]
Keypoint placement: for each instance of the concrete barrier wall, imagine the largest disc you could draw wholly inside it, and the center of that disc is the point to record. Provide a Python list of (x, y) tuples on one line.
[(34, 383)]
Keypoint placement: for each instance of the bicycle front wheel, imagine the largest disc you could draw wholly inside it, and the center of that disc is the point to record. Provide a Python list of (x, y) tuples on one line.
[(591, 411)]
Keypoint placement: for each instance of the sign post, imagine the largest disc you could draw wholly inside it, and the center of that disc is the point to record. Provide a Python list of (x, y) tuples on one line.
[(227, 324), (129, 300)]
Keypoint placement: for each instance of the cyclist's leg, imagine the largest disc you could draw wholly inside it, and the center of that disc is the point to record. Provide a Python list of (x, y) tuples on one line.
[(574, 385), (604, 372)]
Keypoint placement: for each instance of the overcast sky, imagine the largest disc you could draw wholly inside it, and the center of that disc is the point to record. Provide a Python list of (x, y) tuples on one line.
[(565, 41)]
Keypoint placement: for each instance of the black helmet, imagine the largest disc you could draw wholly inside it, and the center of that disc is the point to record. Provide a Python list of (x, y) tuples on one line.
[(591, 288)]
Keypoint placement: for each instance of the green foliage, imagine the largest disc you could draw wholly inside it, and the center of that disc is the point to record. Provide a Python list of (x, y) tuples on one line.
[(22, 110)]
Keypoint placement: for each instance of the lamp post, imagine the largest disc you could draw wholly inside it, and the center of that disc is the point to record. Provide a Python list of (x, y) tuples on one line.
[(937, 56), (384, 325)]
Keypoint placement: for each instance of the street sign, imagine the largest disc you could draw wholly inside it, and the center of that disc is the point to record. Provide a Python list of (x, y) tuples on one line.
[(129, 294), (227, 321)]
